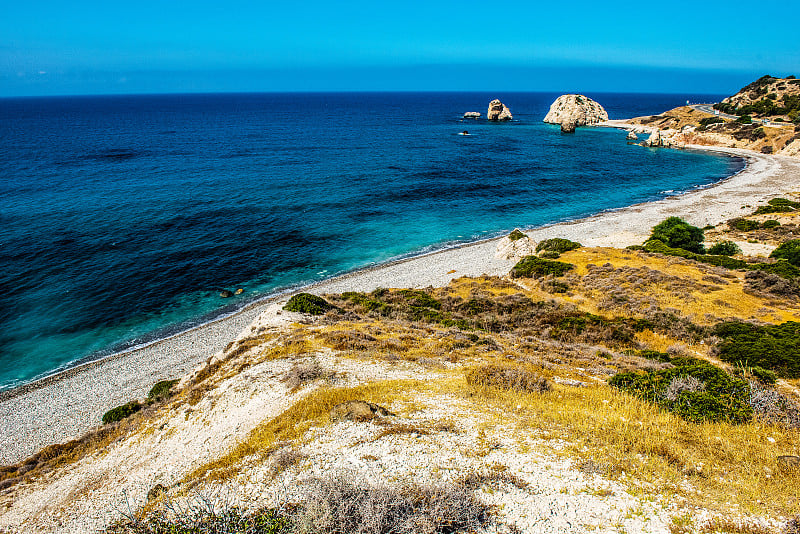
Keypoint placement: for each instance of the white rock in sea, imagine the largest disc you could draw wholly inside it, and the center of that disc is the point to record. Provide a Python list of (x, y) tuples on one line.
[(498, 111), (571, 111), (631, 136), (515, 247), (472, 115)]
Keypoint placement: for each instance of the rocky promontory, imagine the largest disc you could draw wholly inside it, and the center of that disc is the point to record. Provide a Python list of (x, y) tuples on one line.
[(571, 111), (498, 111)]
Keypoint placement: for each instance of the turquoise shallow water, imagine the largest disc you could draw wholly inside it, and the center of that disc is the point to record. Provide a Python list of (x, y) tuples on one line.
[(122, 218)]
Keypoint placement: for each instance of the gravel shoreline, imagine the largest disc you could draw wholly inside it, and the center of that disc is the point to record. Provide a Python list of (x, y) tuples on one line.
[(66, 405)]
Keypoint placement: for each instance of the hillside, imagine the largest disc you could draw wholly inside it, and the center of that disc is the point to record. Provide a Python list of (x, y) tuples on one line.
[(591, 389), (763, 116)]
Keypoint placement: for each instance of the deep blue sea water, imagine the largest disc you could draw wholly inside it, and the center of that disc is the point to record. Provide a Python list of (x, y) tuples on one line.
[(122, 218)]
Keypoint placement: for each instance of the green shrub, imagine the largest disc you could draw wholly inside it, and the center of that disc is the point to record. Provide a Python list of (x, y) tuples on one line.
[(773, 347), (677, 233), (656, 246), (725, 248), (307, 303), (789, 251), (161, 390), (782, 268), (634, 247), (121, 412), (743, 225), (778, 205), (745, 119), (534, 267), (764, 375), (770, 224), (557, 244), (693, 389), (710, 120), (516, 235), (549, 255)]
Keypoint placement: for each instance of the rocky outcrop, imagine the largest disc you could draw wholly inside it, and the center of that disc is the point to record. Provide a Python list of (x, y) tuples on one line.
[(655, 140), (498, 111), (572, 111), (472, 115), (631, 136), (516, 245)]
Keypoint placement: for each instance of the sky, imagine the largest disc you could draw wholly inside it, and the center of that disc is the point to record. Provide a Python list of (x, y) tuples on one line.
[(88, 47)]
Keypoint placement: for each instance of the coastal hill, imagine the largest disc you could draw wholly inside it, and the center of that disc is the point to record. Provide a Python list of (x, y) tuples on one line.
[(764, 116), (652, 388)]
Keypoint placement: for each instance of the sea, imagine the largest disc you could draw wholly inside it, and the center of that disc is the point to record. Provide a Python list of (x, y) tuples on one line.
[(123, 218)]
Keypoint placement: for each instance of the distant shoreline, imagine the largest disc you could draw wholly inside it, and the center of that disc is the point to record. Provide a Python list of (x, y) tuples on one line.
[(68, 403)]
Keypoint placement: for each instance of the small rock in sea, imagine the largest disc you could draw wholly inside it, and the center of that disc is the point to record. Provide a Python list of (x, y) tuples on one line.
[(498, 111), (357, 410), (632, 136), (472, 115), (239, 291), (568, 126), (225, 293)]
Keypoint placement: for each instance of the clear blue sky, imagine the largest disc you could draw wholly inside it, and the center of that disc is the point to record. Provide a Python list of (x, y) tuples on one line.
[(83, 47)]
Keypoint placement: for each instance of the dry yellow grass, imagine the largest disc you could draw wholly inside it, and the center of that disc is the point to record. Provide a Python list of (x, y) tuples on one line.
[(311, 410), (715, 465), (702, 306)]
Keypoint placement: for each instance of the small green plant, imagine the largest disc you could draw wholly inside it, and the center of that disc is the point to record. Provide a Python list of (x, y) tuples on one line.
[(711, 120), (161, 390), (789, 251), (743, 225), (778, 205), (121, 412), (725, 248), (534, 267), (773, 347), (764, 375), (557, 244), (677, 233), (744, 119), (516, 235), (693, 389), (549, 254), (307, 303), (770, 224)]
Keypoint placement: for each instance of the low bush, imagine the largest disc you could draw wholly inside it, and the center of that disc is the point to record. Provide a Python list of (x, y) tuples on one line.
[(710, 120), (677, 233), (781, 268), (789, 251), (338, 505), (307, 303), (121, 412), (516, 235), (557, 244), (534, 267), (725, 248), (744, 119), (773, 347), (743, 225), (764, 375), (203, 518), (161, 390), (770, 224), (549, 254), (655, 246), (693, 389), (507, 377), (778, 205)]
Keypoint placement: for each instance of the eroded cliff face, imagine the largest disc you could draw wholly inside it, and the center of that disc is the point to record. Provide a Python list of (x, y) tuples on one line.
[(572, 111)]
